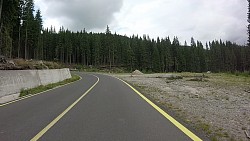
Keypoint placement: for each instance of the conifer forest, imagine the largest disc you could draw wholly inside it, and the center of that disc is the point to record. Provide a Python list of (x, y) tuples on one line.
[(22, 35)]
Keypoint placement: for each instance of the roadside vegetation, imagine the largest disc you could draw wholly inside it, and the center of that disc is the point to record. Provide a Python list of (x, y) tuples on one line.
[(49, 86), (101, 69), (22, 64), (221, 78)]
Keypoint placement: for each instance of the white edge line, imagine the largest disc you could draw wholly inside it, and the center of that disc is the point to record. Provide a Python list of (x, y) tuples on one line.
[(31, 95)]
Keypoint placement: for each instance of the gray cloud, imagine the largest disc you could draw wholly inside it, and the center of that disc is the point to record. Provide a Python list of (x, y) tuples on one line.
[(205, 20), (79, 14)]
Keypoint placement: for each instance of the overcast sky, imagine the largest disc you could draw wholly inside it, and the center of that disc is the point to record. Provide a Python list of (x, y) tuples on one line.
[(205, 20)]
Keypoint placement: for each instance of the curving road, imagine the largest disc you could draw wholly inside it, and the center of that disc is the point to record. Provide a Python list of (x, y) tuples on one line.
[(96, 108)]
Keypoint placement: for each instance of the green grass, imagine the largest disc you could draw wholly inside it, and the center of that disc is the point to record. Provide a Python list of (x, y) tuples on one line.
[(42, 88), (221, 79)]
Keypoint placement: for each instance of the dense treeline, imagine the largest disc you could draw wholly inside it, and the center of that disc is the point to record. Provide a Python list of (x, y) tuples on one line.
[(20, 30), (22, 36)]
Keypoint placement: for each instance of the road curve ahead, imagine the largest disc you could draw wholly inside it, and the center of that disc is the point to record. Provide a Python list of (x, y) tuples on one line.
[(96, 108)]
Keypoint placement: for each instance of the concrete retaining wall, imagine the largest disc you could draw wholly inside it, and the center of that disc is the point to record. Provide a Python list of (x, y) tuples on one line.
[(12, 81)]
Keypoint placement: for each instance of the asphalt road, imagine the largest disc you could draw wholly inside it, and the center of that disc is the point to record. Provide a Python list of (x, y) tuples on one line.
[(111, 111)]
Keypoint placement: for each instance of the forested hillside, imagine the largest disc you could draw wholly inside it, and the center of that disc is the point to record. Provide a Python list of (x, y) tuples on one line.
[(22, 36)]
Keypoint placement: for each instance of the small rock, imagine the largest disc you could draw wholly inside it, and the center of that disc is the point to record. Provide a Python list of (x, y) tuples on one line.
[(196, 96), (11, 62), (169, 81), (248, 91)]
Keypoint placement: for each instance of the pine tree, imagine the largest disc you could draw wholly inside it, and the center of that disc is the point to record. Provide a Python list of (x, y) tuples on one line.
[(156, 59), (109, 45), (202, 57), (168, 59), (1, 5), (8, 23), (28, 26), (248, 19), (38, 41), (175, 54), (248, 31)]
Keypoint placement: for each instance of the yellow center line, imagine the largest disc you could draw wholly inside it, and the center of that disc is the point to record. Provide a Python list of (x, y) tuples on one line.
[(51, 124), (167, 116)]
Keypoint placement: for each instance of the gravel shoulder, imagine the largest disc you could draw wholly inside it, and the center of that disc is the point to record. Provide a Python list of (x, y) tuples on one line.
[(216, 104)]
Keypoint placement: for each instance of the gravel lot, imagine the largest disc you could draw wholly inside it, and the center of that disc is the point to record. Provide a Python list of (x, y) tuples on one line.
[(216, 104)]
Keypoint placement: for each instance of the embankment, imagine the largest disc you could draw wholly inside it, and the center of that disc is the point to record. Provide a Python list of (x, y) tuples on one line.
[(13, 81)]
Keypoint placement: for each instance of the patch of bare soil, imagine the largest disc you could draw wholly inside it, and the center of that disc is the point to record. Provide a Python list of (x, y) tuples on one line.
[(219, 108)]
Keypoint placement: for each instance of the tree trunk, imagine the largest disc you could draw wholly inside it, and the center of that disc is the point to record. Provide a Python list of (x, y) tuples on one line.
[(11, 46), (26, 40), (113, 57), (1, 38), (1, 5), (19, 42), (109, 60)]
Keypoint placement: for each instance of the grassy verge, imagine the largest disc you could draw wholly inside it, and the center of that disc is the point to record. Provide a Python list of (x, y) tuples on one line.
[(47, 87), (221, 79)]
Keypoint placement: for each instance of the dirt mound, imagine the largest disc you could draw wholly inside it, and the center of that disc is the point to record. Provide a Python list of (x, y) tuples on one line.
[(136, 72)]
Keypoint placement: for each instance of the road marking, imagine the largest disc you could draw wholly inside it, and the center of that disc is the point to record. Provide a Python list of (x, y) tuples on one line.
[(171, 119), (51, 124), (31, 95)]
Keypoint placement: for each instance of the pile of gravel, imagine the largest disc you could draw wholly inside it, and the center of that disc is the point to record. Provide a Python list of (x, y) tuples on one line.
[(136, 72)]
